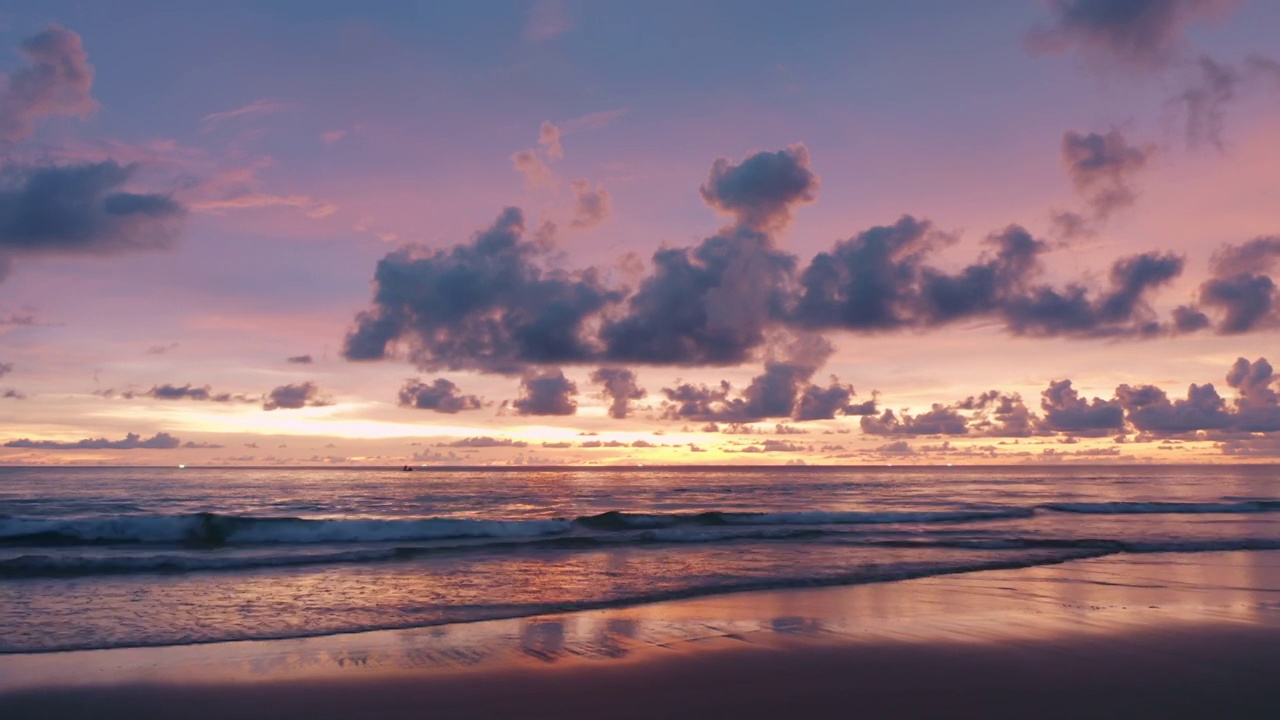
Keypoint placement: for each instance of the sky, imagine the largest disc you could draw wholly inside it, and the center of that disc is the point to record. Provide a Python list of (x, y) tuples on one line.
[(556, 232)]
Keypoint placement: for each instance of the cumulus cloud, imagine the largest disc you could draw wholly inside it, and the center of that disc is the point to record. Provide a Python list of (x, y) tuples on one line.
[(1065, 411), (80, 209), (189, 392), (55, 80), (1257, 406), (292, 397), (591, 206), (1136, 34), (487, 305), (1240, 290), (547, 392), (619, 388), (761, 191), (441, 395), (783, 390), (484, 442), (939, 420), (879, 280), (132, 441)]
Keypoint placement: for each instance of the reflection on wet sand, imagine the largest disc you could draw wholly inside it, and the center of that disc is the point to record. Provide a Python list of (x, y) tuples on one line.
[(1105, 595)]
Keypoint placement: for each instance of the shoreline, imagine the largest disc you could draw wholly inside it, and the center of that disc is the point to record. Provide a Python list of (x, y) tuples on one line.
[(1186, 627)]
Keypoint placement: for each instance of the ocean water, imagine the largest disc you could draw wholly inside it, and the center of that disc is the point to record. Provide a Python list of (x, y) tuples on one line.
[(114, 557)]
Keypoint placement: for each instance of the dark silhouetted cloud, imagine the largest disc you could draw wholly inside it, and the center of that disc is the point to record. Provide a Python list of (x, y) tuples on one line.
[(190, 392), (1121, 310), (299, 360), (1066, 412), (547, 392), (55, 81), (440, 395), (80, 209), (939, 420), (484, 305), (484, 442), (1149, 409), (12, 394), (1257, 407), (868, 281), (292, 397), (761, 191), (1137, 34), (619, 388), (1239, 290), (132, 441), (5, 368)]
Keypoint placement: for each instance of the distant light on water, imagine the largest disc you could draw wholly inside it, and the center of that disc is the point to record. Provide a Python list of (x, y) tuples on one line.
[(182, 467)]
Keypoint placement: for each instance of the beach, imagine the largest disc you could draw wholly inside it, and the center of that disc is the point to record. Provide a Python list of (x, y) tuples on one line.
[(1158, 635)]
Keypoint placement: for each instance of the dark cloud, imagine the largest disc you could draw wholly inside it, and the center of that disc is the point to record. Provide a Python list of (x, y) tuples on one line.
[(80, 209), (782, 390), (591, 206), (441, 395), (1149, 409), (1187, 319), (997, 414), (1257, 405), (189, 445), (189, 392), (5, 368), (299, 359), (12, 394), (485, 305), (55, 81), (547, 392), (939, 420), (1239, 290), (292, 397), (485, 442), (897, 447), (619, 388), (1066, 412), (867, 282), (761, 191), (1137, 34), (1101, 168), (1121, 310), (132, 441), (709, 305)]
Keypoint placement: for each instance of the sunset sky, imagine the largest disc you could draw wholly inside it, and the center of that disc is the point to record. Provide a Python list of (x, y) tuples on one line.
[(664, 232)]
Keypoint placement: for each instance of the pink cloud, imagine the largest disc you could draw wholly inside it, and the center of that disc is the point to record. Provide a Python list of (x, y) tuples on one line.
[(548, 19)]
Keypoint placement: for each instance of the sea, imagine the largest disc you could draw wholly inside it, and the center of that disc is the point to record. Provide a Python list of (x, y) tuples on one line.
[(126, 557)]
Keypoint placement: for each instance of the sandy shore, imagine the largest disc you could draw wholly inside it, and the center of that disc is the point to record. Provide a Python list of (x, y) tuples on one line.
[(1194, 635)]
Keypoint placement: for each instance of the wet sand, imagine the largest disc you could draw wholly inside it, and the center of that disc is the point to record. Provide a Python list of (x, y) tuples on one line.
[(1177, 635)]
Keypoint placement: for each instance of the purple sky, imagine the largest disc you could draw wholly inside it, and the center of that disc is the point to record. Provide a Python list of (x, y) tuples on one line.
[(602, 232)]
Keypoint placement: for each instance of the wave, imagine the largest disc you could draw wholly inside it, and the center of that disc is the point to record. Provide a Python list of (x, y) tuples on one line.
[(1164, 508), (215, 530)]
